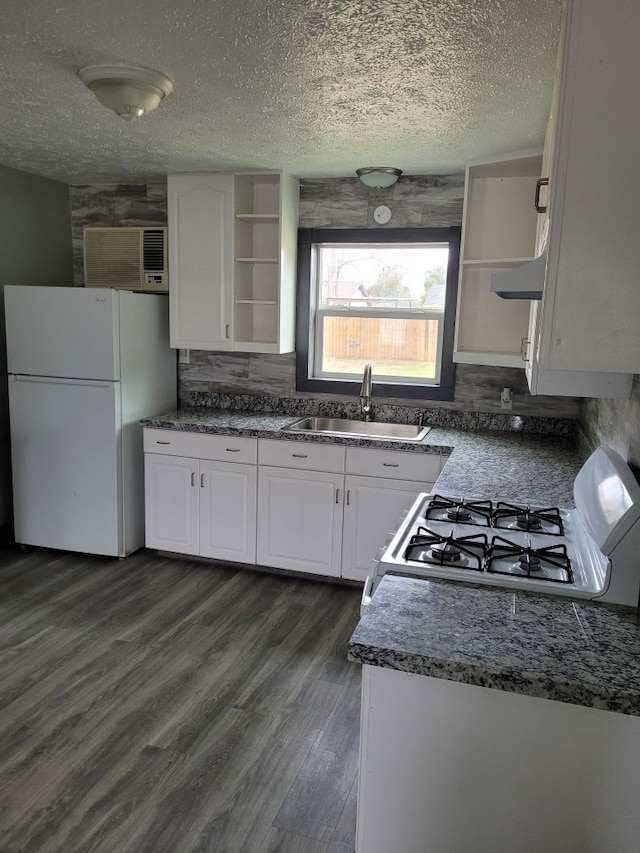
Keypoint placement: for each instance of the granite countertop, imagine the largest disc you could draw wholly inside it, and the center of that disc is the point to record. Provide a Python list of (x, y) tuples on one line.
[(509, 466), (551, 647)]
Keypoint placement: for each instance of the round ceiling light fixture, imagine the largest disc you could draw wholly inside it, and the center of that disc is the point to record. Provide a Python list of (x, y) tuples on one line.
[(130, 91), (378, 177)]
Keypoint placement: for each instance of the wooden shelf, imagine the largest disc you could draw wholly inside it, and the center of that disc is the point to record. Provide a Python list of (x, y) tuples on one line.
[(256, 218), (496, 262)]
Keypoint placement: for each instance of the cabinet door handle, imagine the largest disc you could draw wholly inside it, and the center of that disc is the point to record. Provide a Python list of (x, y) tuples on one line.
[(348, 496), (299, 455), (337, 495), (541, 182), (524, 349), (390, 465), (193, 478), (226, 331), (232, 449), (163, 442), (202, 481)]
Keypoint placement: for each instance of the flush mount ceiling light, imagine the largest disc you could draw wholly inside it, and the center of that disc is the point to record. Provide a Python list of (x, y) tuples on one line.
[(129, 90), (378, 177)]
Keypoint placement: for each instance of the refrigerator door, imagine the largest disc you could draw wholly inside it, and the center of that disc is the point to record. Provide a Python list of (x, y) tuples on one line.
[(67, 471), (70, 332)]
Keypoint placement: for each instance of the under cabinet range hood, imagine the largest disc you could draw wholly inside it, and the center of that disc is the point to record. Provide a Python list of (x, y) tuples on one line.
[(523, 282)]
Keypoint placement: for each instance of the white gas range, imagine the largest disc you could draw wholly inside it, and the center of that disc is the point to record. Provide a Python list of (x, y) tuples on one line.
[(592, 551)]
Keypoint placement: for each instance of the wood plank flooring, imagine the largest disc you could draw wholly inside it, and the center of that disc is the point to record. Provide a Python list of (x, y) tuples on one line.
[(159, 704)]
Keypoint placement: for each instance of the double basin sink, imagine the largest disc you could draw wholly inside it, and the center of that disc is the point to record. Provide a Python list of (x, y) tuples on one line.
[(358, 429)]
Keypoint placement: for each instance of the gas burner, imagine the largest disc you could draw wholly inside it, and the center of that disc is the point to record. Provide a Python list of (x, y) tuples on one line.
[(464, 552), (512, 517), (459, 514), (525, 521), (547, 564), (459, 511), (446, 552), (530, 562)]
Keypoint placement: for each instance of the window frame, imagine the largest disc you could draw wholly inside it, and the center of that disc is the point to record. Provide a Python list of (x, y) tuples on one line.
[(307, 239)]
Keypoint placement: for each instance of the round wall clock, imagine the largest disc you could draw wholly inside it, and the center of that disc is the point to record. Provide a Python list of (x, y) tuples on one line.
[(382, 214)]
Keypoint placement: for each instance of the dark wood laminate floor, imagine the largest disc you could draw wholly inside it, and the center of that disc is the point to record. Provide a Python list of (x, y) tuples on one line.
[(159, 704)]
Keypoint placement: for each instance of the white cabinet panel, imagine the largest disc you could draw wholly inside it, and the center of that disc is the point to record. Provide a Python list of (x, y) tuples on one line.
[(372, 510), (171, 503), (305, 455), (587, 322), (300, 520), (394, 464), (222, 448), (200, 213), (228, 511)]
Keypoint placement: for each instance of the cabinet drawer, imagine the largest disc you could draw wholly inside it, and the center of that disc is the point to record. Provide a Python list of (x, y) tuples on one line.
[(305, 455), (394, 464), (219, 448)]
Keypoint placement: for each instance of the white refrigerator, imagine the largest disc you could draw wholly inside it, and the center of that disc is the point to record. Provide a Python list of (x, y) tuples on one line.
[(85, 365)]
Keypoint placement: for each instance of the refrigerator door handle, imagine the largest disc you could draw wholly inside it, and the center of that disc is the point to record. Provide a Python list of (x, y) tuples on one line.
[(52, 380)]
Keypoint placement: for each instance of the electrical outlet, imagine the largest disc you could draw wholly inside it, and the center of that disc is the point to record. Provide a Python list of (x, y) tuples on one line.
[(184, 356), (506, 399)]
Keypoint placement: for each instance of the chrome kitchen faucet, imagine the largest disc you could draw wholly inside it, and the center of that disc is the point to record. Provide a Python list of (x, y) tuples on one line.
[(366, 409)]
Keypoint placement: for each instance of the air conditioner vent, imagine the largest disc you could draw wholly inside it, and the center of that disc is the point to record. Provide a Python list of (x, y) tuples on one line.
[(126, 258), (153, 249)]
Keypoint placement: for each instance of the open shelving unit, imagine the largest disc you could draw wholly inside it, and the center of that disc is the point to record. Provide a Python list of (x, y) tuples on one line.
[(265, 208), (498, 231)]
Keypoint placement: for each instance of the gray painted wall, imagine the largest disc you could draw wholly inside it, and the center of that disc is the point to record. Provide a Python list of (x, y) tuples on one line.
[(340, 203), (35, 249)]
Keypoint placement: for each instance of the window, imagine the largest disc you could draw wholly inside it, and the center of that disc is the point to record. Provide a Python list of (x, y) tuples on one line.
[(384, 296)]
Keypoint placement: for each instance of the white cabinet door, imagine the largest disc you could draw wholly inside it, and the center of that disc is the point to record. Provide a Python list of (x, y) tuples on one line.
[(228, 511), (300, 520), (171, 503), (372, 510), (591, 299), (200, 213)]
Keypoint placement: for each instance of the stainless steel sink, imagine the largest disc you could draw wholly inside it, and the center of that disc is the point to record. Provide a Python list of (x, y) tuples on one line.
[(364, 429)]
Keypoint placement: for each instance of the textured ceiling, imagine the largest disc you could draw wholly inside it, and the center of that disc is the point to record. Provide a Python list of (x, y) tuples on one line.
[(315, 87)]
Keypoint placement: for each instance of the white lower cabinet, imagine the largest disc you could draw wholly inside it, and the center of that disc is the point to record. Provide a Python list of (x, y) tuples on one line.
[(300, 520), (307, 507), (198, 505), (458, 768), (228, 511), (373, 507), (171, 503)]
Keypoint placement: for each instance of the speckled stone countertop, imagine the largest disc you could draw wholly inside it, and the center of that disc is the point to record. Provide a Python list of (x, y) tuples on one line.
[(482, 464), (546, 646)]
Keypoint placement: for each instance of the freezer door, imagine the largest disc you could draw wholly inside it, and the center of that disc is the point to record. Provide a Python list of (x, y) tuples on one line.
[(66, 460), (62, 331)]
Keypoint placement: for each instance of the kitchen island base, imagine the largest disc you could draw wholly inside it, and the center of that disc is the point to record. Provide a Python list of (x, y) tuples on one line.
[(448, 767)]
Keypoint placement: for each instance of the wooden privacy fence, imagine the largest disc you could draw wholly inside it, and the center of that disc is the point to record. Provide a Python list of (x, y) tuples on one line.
[(405, 339)]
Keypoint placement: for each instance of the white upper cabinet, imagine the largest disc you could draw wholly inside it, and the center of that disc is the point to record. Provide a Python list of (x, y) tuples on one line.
[(589, 316), (232, 257), (200, 261), (498, 233)]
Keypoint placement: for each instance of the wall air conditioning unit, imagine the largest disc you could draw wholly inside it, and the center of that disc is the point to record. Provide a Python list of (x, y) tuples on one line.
[(126, 258)]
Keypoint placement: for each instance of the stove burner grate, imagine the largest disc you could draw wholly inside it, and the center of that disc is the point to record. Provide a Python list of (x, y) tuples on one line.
[(546, 520), (531, 561), (467, 552), (459, 511)]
